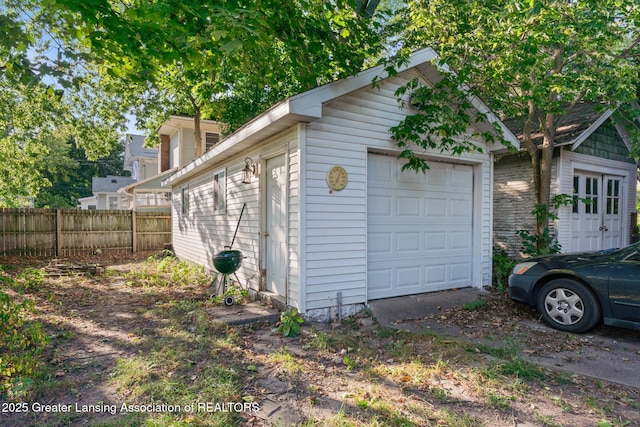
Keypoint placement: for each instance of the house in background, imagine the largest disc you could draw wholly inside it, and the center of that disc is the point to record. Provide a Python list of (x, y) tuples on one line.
[(591, 162), (105, 193), (178, 141), (177, 148), (148, 194), (145, 193), (140, 160), (330, 221), (89, 202), (108, 191)]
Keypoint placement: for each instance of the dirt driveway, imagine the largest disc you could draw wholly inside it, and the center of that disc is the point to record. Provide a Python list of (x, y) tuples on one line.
[(354, 373), (606, 353)]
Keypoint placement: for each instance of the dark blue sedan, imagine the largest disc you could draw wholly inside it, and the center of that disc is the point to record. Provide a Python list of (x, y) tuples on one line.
[(575, 292)]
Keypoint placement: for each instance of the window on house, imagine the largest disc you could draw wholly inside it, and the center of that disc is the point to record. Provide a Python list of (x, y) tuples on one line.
[(613, 196), (185, 200), (576, 193), (591, 195), (166, 198), (210, 140), (219, 191), (113, 202)]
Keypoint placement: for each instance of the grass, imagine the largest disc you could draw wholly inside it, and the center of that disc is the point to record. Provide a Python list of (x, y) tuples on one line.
[(287, 362), (474, 305), (349, 376)]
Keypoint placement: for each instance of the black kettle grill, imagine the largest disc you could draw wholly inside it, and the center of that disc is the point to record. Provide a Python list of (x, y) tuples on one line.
[(227, 262)]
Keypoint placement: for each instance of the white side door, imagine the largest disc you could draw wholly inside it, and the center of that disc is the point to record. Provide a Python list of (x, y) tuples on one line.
[(276, 225)]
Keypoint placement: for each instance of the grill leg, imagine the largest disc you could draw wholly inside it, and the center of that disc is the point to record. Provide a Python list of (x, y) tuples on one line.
[(213, 286)]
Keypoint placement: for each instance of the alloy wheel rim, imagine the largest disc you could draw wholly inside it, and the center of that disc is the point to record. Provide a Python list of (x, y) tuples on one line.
[(564, 306)]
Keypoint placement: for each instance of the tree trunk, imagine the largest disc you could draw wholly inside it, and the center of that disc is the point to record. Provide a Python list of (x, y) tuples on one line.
[(541, 161)]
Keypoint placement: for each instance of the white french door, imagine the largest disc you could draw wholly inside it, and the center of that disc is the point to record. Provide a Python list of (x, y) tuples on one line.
[(596, 221)]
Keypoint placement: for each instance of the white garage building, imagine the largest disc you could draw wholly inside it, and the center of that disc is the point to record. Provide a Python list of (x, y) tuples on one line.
[(330, 221)]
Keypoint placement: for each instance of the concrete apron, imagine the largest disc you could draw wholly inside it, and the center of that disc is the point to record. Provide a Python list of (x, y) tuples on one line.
[(392, 312), (611, 354)]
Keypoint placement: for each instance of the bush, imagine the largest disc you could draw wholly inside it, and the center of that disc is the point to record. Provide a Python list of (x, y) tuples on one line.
[(502, 266), (290, 323), (21, 341), (28, 279)]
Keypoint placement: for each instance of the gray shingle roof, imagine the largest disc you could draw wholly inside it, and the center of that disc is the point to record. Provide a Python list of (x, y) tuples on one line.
[(110, 183), (137, 148), (570, 126)]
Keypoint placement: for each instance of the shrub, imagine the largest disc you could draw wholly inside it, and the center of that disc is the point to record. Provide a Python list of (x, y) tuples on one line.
[(21, 341), (290, 323), (502, 266), (28, 279)]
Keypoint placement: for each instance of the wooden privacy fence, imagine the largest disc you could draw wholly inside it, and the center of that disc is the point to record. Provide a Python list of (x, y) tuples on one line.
[(68, 232)]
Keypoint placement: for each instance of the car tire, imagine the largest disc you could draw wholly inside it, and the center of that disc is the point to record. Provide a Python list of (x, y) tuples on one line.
[(568, 305)]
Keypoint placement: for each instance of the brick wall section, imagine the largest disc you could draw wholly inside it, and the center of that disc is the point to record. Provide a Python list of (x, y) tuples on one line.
[(513, 201), (164, 161)]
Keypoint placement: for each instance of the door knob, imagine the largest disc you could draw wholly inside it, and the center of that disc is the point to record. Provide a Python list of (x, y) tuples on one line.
[(265, 234)]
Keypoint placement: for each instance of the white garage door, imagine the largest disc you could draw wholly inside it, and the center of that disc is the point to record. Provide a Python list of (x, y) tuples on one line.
[(419, 227)]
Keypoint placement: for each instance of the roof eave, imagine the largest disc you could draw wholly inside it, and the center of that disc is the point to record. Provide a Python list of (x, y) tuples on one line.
[(267, 124), (587, 133), (131, 187), (306, 107)]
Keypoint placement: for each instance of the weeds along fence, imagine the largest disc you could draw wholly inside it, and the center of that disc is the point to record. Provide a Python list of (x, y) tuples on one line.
[(69, 232)]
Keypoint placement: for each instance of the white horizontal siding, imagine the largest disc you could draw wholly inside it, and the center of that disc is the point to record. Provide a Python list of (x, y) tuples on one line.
[(336, 223), (483, 201), (202, 233)]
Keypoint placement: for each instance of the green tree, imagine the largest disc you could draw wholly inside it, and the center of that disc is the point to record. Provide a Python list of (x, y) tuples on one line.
[(226, 60), (529, 59), (24, 115), (70, 173), (49, 95), (36, 124), (190, 57)]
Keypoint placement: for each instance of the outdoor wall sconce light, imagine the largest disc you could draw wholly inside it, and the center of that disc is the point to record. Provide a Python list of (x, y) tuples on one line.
[(249, 169)]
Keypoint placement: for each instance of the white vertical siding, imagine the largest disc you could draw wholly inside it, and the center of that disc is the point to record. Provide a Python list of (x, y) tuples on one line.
[(188, 146), (336, 223), (174, 147)]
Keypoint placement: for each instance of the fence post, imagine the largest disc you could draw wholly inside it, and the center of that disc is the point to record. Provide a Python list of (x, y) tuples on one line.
[(134, 241), (59, 234)]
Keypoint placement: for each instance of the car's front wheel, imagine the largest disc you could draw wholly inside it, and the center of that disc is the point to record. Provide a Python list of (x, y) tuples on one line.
[(568, 305)]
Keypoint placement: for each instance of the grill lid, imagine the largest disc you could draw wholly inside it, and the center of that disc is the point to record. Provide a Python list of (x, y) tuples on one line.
[(228, 261)]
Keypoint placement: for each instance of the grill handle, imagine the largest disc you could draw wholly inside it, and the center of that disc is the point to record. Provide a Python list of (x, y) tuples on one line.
[(244, 205)]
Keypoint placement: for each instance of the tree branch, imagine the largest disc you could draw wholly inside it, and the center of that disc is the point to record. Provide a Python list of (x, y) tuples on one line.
[(632, 46)]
